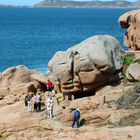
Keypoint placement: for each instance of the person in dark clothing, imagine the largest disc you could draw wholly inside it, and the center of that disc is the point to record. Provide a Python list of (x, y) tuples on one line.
[(76, 118), (27, 99), (37, 102)]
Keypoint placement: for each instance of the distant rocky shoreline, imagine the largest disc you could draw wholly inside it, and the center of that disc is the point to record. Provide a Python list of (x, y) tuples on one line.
[(80, 4), (88, 4)]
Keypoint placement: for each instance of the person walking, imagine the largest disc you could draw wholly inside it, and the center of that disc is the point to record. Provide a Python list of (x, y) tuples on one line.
[(76, 118)]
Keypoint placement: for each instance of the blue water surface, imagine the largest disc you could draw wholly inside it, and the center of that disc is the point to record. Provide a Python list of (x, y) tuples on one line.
[(31, 36)]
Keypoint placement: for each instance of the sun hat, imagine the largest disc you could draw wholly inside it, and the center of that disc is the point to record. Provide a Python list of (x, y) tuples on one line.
[(77, 109)]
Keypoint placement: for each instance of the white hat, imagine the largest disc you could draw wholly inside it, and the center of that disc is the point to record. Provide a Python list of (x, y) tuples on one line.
[(78, 109)]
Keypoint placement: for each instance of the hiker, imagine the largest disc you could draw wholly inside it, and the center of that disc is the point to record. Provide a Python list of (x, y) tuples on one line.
[(50, 107), (42, 98), (53, 93), (76, 118), (49, 86), (37, 102), (31, 103), (27, 101)]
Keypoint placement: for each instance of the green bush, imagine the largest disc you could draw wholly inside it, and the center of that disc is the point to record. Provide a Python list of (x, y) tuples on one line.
[(129, 58)]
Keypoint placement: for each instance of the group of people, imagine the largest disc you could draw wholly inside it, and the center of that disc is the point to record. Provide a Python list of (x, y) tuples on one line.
[(33, 100), (33, 103)]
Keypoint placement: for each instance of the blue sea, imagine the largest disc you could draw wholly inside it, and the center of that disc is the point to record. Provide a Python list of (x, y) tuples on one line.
[(31, 36)]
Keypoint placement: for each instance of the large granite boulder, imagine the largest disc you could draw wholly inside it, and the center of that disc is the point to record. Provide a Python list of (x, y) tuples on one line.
[(131, 21), (40, 78), (88, 65), (17, 80), (15, 75), (133, 72)]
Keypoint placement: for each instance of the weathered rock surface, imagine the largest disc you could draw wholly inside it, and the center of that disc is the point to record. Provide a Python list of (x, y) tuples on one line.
[(98, 123), (133, 72), (23, 88), (131, 21), (15, 82), (15, 75), (88, 65), (40, 78), (86, 103)]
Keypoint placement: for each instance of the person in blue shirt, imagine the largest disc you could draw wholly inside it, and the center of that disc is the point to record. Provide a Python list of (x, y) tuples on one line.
[(76, 118)]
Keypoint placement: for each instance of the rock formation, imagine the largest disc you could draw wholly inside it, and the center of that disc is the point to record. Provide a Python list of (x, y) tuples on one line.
[(131, 21), (38, 77), (133, 72), (88, 65), (96, 122), (15, 82)]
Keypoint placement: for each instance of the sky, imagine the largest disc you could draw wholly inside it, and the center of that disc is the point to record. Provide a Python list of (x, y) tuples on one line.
[(30, 2)]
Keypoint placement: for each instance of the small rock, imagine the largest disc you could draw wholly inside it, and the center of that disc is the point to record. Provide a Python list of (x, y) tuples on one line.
[(11, 137), (1, 97)]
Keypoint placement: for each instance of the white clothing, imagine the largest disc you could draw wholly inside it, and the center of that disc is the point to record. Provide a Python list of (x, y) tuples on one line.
[(50, 115), (50, 108), (37, 99), (50, 100), (29, 107)]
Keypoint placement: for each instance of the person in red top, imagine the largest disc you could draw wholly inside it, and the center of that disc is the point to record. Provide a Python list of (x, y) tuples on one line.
[(49, 85)]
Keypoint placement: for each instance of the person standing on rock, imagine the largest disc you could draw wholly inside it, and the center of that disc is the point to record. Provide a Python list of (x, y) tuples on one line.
[(49, 86), (37, 102), (76, 118), (50, 107), (31, 105), (27, 101)]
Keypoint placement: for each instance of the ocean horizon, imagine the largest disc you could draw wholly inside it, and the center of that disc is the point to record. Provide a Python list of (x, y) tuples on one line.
[(31, 36)]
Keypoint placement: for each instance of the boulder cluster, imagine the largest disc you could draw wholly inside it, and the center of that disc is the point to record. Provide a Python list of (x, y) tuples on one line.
[(15, 82), (133, 72), (131, 21)]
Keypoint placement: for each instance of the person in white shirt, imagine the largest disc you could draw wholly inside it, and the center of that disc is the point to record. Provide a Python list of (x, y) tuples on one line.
[(37, 102), (50, 107)]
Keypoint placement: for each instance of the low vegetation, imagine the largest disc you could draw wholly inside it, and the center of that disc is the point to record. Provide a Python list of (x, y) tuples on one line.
[(130, 58), (131, 98), (131, 120)]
